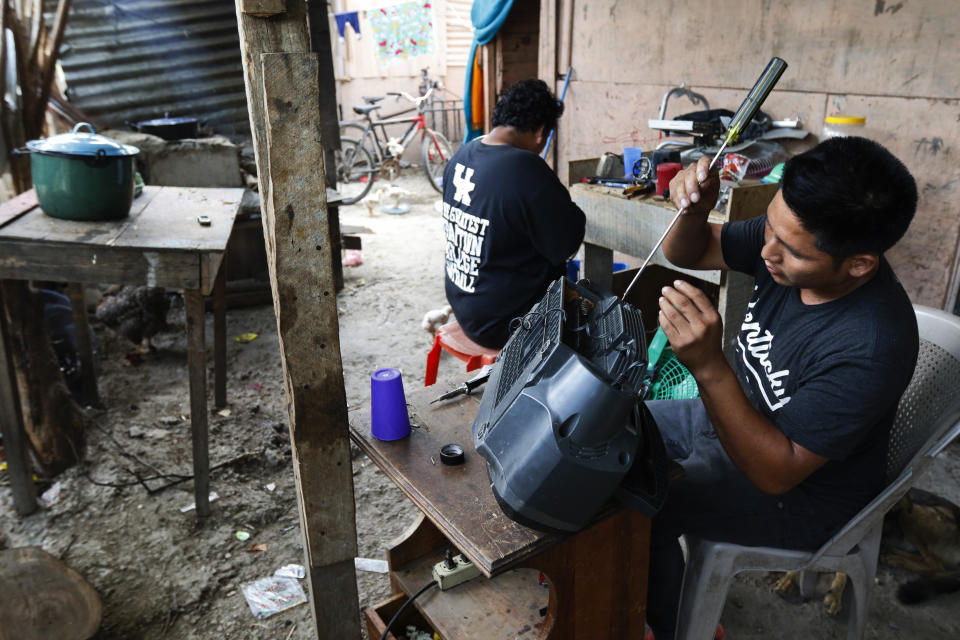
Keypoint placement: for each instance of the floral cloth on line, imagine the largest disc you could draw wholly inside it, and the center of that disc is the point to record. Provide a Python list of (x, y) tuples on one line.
[(402, 30)]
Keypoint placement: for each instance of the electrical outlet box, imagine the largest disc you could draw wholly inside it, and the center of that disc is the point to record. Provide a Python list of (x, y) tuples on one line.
[(462, 571)]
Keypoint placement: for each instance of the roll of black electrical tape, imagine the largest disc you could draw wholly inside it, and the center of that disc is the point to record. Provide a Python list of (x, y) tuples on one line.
[(451, 454)]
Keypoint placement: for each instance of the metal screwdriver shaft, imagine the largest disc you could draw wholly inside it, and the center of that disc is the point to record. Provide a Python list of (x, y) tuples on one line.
[(751, 104), (666, 231)]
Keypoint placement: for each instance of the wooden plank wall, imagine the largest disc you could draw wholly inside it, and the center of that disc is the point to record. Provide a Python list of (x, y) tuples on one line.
[(894, 63), (517, 44)]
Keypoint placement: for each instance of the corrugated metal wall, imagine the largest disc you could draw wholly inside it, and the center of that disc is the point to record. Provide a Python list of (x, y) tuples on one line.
[(132, 60)]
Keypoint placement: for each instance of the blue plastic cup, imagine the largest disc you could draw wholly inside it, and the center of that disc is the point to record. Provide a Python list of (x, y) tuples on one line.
[(573, 269), (388, 406)]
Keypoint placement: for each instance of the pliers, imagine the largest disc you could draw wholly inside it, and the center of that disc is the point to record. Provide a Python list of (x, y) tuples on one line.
[(466, 387)]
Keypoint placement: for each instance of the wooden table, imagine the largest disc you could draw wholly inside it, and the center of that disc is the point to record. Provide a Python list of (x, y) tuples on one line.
[(597, 578), (159, 244), (632, 226)]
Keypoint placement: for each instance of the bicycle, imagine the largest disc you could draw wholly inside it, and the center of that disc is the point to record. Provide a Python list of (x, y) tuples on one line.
[(372, 151)]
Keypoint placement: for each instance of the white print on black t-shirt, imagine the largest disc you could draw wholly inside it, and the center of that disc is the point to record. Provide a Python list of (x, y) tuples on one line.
[(465, 234), (461, 180), (756, 357)]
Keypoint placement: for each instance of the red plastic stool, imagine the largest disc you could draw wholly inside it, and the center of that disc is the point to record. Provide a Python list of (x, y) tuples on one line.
[(450, 338)]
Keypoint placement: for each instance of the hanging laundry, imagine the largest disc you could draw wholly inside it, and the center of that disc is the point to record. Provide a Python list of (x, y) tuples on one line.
[(402, 30), (343, 19)]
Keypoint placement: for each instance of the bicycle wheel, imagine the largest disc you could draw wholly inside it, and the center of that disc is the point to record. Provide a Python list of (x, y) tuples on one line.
[(435, 153), (355, 171), (358, 131)]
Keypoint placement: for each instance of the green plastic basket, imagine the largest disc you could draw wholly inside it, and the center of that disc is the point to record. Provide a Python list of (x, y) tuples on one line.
[(671, 379)]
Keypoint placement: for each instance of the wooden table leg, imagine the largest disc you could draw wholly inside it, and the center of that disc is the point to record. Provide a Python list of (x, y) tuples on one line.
[(197, 359), (598, 265), (598, 581), (14, 437), (81, 326), (220, 337)]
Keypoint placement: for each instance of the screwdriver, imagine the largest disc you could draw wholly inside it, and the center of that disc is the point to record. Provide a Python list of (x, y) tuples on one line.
[(751, 104)]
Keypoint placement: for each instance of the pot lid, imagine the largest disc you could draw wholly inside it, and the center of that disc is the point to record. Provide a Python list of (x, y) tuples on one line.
[(165, 121), (82, 143)]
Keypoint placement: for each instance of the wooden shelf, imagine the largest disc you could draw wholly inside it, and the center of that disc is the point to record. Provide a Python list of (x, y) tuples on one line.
[(508, 605)]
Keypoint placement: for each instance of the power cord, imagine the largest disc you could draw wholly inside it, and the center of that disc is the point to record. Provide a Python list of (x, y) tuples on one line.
[(404, 606)]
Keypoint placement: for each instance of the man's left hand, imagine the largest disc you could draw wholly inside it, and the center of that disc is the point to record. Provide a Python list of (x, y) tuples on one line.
[(693, 326)]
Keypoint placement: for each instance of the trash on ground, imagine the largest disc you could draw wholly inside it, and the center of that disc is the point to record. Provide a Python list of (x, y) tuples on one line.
[(270, 486), (352, 258), (244, 338), (369, 564), (139, 431), (51, 496), (242, 536), (260, 546), (193, 505), (291, 571), (416, 634), (271, 595), (225, 413)]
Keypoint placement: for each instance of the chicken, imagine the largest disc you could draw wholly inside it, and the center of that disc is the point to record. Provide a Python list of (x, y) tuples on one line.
[(137, 313), (390, 197), (435, 319)]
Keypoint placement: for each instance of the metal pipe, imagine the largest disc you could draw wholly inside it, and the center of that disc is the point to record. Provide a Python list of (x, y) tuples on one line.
[(563, 95)]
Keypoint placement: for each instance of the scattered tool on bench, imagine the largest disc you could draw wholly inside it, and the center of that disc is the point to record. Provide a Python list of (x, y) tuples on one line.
[(741, 119), (639, 190), (466, 387)]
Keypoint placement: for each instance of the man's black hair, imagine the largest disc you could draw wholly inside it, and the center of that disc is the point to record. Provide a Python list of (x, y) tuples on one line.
[(526, 106), (852, 194)]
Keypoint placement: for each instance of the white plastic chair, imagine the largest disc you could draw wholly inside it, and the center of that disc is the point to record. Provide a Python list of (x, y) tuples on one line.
[(928, 418)]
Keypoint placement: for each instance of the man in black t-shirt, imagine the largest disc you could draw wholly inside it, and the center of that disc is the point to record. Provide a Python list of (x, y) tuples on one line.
[(509, 222), (786, 446)]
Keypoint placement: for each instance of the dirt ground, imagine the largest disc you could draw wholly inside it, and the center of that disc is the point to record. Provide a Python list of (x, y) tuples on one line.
[(163, 575)]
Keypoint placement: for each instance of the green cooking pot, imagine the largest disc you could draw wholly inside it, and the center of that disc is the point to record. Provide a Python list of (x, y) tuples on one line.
[(83, 175)]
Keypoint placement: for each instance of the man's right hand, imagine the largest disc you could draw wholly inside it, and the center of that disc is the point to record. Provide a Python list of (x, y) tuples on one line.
[(694, 189)]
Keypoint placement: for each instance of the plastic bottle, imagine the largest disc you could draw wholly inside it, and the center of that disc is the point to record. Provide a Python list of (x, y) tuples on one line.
[(844, 125)]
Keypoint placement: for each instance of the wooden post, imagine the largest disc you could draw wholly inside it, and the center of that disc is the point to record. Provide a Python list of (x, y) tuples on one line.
[(11, 424), (263, 8), (284, 32), (305, 304), (547, 54), (329, 123), (282, 95)]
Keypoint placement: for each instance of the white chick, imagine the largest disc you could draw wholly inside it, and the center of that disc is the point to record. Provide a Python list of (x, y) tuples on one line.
[(383, 195), (436, 318)]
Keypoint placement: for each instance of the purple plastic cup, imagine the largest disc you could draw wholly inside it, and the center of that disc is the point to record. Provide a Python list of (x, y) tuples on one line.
[(388, 406)]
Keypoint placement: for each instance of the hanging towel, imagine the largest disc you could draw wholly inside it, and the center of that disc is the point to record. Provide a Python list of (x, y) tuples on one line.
[(487, 16), (343, 19)]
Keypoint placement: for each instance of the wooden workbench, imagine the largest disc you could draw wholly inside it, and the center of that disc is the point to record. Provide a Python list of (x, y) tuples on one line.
[(159, 244), (597, 578), (632, 226)]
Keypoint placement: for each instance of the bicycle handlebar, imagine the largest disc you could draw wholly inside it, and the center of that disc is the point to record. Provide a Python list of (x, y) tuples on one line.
[(416, 101)]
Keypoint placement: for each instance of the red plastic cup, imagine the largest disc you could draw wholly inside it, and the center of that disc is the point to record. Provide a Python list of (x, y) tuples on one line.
[(665, 173), (388, 406)]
